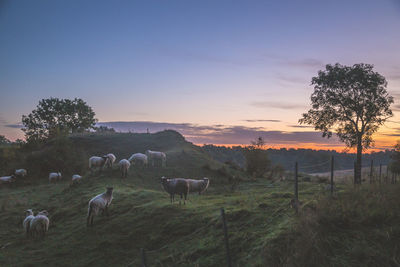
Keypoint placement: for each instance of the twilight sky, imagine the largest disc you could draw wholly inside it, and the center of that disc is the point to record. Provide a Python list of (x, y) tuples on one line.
[(220, 72)]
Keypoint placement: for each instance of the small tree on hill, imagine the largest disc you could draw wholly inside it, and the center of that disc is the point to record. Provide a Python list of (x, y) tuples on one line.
[(353, 102), (54, 116), (257, 161)]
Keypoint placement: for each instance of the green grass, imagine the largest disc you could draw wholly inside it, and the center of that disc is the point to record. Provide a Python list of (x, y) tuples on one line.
[(354, 227)]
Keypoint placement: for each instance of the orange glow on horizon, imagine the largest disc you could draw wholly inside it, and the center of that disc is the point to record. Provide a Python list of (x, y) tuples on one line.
[(339, 149)]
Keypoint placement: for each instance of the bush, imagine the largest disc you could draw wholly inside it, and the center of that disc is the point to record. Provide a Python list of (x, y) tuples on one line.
[(257, 161)]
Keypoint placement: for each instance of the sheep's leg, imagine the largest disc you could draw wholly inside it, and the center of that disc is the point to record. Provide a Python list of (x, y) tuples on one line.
[(91, 220), (106, 211)]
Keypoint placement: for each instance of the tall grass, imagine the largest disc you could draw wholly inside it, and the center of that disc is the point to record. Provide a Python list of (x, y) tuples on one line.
[(359, 227)]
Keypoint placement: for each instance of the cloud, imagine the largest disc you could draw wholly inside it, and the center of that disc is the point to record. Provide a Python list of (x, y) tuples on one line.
[(306, 62), (393, 135), (396, 107), (16, 125), (220, 134), (395, 76), (262, 120), (279, 105), (301, 126)]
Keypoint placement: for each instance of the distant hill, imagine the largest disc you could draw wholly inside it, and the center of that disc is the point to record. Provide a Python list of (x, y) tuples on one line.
[(310, 161)]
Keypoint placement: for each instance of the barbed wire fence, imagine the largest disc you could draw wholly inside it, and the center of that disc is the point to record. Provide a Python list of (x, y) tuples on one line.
[(374, 177)]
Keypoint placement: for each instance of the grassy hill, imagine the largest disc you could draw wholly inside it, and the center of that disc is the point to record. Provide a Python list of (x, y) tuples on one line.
[(263, 229)]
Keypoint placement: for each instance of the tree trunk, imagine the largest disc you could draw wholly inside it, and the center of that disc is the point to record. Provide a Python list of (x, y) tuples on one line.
[(357, 179)]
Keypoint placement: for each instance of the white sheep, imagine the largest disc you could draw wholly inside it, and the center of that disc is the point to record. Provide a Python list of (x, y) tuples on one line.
[(124, 165), (110, 160), (7, 179), (39, 225), (198, 185), (20, 173), (97, 162), (156, 155), (54, 176), (99, 203), (27, 222), (138, 157), (174, 186), (76, 178)]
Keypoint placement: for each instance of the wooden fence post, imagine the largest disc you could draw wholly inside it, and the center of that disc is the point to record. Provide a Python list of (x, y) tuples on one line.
[(370, 173), (228, 255), (332, 176), (380, 173), (296, 187), (143, 255), (387, 174)]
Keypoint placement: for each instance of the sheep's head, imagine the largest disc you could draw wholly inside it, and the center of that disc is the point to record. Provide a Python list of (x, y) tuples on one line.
[(110, 189), (28, 212), (59, 174), (44, 212)]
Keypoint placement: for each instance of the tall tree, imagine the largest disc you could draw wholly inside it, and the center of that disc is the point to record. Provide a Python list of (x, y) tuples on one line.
[(53, 116), (353, 102)]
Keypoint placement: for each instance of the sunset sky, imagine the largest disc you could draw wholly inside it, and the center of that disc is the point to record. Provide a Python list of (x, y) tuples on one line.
[(221, 72)]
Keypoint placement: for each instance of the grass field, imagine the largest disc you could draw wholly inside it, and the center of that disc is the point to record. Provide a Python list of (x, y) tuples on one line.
[(263, 229)]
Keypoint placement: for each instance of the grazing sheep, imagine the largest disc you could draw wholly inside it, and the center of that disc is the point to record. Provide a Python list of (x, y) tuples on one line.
[(7, 179), (76, 178), (110, 160), (156, 155), (20, 173), (198, 185), (174, 186), (39, 225), (99, 203), (124, 165), (27, 222), (138, 157), (97, 162), (55, 176)]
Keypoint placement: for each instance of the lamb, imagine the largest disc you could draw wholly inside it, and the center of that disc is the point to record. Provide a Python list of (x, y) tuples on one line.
[(54, 176), (76, 178), (7, 179), (138, 157), (97, 162), (198, 185), (110, 160), (124, 165), (27, 222), (99, 203), (39, 225), (20, 173), (174, 186), (156, 155)]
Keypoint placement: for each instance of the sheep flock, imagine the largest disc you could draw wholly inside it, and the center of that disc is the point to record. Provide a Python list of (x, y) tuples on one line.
[(37, 226)]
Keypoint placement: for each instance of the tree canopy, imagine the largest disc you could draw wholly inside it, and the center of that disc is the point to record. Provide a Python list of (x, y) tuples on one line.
[(53, 116), (351, 101)]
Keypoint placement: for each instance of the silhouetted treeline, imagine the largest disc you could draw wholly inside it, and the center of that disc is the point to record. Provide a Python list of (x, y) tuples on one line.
[(310, 161)]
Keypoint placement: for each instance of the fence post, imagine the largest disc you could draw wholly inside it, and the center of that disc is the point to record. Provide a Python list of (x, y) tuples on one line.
[(332, 176), (370, 173), (380, 173), (143, 255), (387, 174), (296, 187), (228, 255)]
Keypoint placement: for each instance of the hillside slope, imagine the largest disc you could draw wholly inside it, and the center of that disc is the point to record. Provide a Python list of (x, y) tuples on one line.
[(263, 229)]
